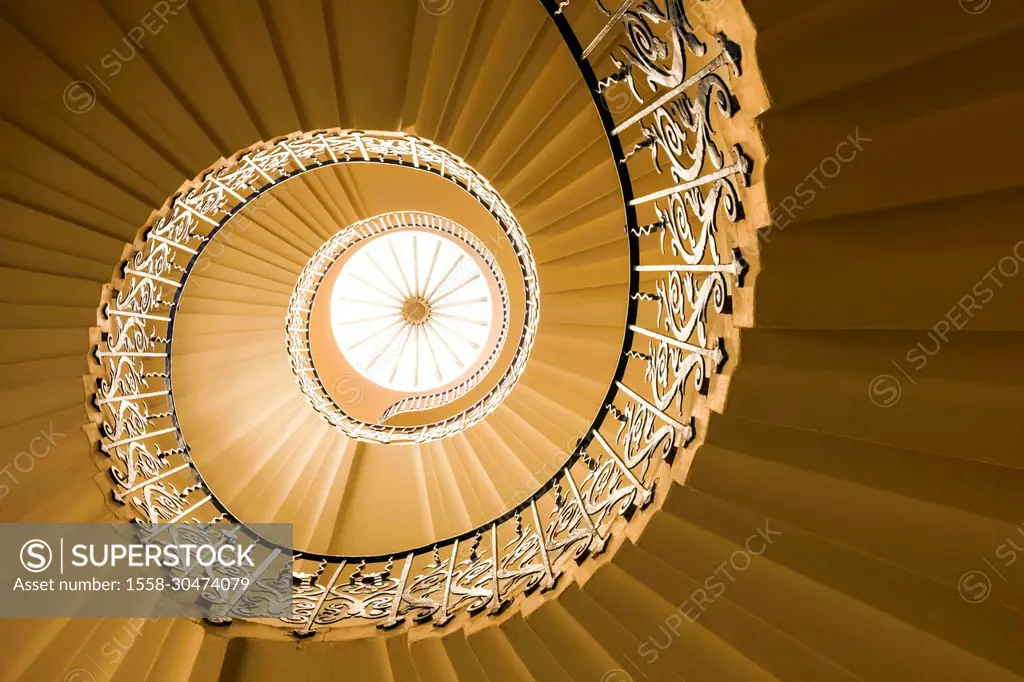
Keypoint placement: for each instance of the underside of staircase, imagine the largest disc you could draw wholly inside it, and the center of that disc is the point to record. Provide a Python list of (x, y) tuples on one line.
[(850, 511)]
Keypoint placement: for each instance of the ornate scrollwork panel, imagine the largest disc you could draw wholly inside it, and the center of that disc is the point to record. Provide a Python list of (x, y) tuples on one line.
[(676, 336)]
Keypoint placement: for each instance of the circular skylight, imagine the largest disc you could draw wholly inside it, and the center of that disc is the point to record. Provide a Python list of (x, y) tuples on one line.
[(412, 310)]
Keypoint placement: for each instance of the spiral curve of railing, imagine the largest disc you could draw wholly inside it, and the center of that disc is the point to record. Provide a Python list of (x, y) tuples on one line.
[(673, 338)]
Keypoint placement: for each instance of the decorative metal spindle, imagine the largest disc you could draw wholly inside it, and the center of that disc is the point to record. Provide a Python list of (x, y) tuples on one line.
[(173, 244), (733, 268), (646, 494), (550, 579), (293, 155), (114, 312), (256, 575), (130, 354), (728, 56), (685, 429), (393, 618), (362, 147), (740, 167), (606, 29), (120, 495), (258, 169), (443, 616), (498, 602), (708, 352), (235, 195), (184, 513), (598, 541), (201, 216), (307, 629), (136, 396), (107, 447)]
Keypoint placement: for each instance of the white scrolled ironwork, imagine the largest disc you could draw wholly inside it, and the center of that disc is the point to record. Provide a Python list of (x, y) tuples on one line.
[(302, 361), (615, 469), (616, 465)]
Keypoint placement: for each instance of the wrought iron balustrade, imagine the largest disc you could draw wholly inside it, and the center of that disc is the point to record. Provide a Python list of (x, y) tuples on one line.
[(298, 340), (673, 343)]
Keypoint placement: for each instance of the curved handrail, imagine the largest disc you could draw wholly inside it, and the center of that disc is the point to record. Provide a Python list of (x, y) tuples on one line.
[(297, 324), (613, 467), (430, 401)]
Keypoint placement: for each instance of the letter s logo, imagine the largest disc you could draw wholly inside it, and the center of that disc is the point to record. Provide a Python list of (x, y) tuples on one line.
[(36, 556)]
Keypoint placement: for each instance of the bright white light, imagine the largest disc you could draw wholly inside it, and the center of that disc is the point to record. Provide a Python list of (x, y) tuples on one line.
[(412, 311)]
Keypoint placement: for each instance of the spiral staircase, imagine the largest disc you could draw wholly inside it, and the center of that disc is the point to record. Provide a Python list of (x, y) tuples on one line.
[(705, 449)]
